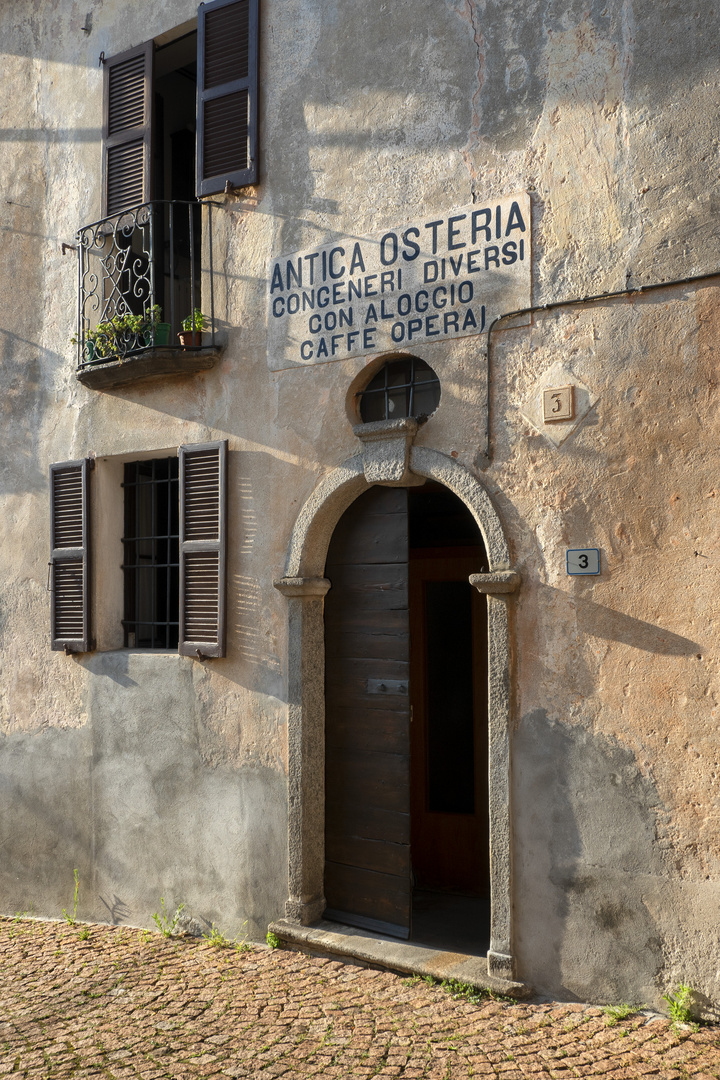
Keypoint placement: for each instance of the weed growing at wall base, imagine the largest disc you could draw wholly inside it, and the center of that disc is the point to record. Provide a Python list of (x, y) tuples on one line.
[(614, 1013), (473, 994), (166, 923), (273, 940), (218, 940), (679, 1005), (72, 919)]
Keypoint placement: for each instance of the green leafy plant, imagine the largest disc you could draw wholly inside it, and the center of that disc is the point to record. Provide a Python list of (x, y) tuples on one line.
[(165, 922), (273, 940), (473, 994), (72, 919), (218, 940), (679, 1004), (113, 336), (197, 321), (84, 933), (614, 1013)]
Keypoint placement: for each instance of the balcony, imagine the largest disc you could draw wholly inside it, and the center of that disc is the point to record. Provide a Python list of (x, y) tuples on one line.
[(141, 274)]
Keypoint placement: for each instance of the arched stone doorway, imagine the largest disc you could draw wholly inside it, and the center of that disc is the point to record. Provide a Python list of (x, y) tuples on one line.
[(406, 807), (388, 458)]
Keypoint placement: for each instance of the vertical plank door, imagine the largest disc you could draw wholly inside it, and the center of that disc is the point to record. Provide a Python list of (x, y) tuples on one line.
[(367, 716)]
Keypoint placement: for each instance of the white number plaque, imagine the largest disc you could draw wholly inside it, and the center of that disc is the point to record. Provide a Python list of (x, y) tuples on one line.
[(583, 561)]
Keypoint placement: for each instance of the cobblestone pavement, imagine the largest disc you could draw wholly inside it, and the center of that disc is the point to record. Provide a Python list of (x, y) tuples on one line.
[(96, 1001)]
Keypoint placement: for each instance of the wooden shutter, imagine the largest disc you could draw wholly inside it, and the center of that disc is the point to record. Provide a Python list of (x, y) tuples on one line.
[(203, 503), (69, 578), (127, 119), (227, 95)]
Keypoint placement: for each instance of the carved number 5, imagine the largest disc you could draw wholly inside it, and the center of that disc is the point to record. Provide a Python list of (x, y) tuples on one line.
[(557, 404), (583, 560)]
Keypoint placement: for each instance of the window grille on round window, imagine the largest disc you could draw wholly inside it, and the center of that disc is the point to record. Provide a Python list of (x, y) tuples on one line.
[(403, 387)]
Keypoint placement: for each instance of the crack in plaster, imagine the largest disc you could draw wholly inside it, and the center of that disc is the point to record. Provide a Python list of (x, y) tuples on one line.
[(471, 15)]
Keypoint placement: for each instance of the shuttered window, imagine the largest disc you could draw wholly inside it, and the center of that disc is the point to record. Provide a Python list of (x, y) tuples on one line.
[(127, 129), (227, 95), (203, 484), (69, 578)]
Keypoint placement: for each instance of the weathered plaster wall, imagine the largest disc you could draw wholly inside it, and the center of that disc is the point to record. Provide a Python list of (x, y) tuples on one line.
[(621, 668), (155, 775)]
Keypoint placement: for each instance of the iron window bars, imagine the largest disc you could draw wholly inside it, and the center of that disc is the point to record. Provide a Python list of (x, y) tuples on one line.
[(404, 387), (131, 263), (151, 554)]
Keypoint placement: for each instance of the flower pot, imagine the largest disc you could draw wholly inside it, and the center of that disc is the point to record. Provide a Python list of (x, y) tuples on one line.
[(161, 335), (190, 338)]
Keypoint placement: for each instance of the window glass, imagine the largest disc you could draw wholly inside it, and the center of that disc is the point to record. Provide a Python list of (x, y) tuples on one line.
[(404, 387)]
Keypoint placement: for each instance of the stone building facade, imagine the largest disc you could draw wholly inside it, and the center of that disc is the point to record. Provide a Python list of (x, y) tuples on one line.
[(376, 591)]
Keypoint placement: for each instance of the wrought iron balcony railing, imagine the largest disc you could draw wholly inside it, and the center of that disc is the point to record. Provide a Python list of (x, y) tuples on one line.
[(141, 274)]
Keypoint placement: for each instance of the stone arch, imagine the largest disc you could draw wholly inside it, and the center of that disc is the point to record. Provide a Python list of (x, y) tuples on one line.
[(305, 586), (336, 491)]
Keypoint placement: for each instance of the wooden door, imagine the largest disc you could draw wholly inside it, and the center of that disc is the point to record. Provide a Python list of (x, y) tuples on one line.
[(450, 829), (367, 716)]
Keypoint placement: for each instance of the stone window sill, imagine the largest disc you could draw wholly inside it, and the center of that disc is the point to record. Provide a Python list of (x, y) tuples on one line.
[(148, 364)]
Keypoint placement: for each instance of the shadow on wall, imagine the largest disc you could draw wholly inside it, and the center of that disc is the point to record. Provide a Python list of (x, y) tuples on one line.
[(586, 856), (23, 399), (604, 622)]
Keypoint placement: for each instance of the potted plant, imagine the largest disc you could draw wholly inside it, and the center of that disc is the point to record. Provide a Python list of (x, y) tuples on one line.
[(156, 332), (192, 329)]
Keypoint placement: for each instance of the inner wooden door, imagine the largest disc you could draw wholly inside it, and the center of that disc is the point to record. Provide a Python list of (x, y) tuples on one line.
[(448, 678)]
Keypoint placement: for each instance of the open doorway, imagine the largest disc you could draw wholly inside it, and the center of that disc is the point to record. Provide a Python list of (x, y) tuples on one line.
[(178, 251), (406, 822), (448, 733)]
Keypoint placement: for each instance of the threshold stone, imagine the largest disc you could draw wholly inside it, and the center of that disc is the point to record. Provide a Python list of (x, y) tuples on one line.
[(325, 938)]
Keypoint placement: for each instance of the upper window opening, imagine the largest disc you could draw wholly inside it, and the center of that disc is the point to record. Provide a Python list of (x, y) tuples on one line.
[(402, 388), (174, 119), (180, 119)]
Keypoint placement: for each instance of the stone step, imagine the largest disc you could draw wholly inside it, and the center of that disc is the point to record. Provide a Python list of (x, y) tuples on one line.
[(338, 941)]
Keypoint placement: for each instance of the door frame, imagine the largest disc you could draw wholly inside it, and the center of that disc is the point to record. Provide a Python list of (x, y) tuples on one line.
[(304, 586)]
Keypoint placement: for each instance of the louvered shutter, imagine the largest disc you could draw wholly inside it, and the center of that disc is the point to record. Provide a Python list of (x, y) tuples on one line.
[(69, 577), (203, 501), (127, 122), (227, 95)]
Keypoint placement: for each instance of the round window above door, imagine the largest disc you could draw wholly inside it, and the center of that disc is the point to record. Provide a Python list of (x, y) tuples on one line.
[(403, 387)]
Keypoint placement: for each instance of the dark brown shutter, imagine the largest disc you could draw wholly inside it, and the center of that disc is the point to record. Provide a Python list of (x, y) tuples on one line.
[(227, 94), (69, 577), (203, 502), (126, 129)]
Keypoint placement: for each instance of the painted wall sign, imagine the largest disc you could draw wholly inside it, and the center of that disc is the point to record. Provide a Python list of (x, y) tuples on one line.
[(583, 561), (446, 276)]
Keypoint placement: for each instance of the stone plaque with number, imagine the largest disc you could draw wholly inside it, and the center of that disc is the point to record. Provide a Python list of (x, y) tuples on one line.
[(558, 404)]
